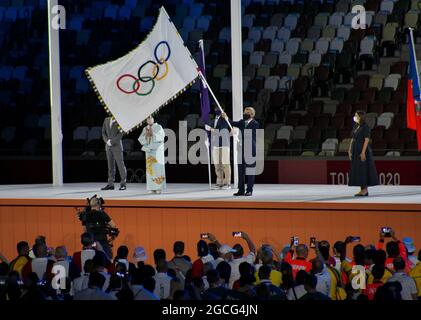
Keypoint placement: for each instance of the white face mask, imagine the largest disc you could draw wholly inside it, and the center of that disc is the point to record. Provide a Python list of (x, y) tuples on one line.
[(356, 119), (150, 122)]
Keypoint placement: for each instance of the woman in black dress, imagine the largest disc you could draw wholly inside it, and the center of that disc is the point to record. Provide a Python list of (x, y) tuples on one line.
[(363, 172)]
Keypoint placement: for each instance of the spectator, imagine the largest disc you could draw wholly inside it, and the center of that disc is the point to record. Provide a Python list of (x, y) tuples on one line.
[(82, 282), (238, 258), (41, 264), (162, 280), (116, 284), (323, 276), (377, 274), (394, 249), (139, 255), (100, 261), (390, 291), (266, 290), (141, 280), (217, 291), (62, 259), (409, 288), (180, 263), (310, 286), (380, 261), (204, 256), (266, 256), (415, 273), (121, 257), (410, 248), (4, 276), (88, 250), (298, 290), (94, 290), (22, 259), (33, 287), (246, 282), (158, 255), (287, 277), (224, 269), (300, 262)]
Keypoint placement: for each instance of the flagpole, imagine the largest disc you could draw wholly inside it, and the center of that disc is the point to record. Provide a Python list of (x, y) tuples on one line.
[(55, 98), (202, 53), (203, 79)]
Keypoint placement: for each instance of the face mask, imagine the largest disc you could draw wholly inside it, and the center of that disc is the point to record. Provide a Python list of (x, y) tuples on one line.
[(356, 119), (246, 116), (218, 112), (149, 122)]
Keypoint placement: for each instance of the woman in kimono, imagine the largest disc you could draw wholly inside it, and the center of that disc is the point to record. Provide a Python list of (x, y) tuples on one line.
[(363, 171), (152, 140)]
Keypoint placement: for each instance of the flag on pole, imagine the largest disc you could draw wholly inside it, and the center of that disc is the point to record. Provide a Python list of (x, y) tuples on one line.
[(204, 92), (138, 84), (413, 105)]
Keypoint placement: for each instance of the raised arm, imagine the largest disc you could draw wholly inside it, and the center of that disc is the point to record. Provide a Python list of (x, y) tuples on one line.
[(250, 243)]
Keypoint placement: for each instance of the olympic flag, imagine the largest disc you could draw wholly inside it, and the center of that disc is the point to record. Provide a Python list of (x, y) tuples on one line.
[(138, 84)]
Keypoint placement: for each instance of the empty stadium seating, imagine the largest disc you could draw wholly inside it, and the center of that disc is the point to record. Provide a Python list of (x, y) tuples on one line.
[(306, 70)]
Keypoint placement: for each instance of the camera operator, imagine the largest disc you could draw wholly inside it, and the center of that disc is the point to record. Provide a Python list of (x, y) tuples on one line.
[(96, 221)]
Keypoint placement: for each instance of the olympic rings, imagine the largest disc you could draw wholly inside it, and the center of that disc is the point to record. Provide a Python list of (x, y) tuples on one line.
[(147, 93), (136, 86), (156, 50), (156, 68)]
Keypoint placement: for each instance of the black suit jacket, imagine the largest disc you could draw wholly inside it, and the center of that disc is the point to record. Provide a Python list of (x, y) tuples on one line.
[(247, 139)]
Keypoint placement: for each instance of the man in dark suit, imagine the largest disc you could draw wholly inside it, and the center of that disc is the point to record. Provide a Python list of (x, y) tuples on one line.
[(220, 143), (248, 128), (112, 137)]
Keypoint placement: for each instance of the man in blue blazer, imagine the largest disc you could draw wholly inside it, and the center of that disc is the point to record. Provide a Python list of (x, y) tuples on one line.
[(220, 142), (248, 128)]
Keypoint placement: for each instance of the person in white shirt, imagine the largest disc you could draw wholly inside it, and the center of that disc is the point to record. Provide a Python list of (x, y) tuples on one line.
[(162, 280), (82, 282), (238, 257), (94, 291), (409, 287), (322, 274)]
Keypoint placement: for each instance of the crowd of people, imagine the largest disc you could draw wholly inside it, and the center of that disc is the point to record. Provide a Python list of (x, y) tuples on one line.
[(390, 270)]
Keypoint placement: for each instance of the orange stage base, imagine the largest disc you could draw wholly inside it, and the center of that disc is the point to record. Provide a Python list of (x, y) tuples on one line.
[(157, 224)]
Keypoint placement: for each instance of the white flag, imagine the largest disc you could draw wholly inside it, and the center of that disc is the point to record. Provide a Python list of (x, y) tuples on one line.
[(136, 85)]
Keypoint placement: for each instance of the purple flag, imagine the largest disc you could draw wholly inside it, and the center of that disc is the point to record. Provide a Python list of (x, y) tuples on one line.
[(204, 93)]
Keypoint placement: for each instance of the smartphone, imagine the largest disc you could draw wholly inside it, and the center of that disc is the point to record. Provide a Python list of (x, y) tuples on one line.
[(294, 240), (386, 231), (356, 239), (237, 234), (204, 236), (312, 242)]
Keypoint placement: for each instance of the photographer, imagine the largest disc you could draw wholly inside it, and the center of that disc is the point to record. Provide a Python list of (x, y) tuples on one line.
[(96, 221)]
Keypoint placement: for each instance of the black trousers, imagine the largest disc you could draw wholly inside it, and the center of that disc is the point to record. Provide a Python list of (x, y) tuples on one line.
[(243, 178)]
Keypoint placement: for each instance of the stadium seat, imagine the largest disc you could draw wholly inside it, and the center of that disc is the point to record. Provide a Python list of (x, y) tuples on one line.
[(385, 119)]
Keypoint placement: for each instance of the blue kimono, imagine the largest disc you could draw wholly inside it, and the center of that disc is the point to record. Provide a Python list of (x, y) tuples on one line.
[(155, 159)]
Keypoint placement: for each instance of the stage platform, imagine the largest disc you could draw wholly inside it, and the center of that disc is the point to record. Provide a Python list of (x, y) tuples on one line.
[(183, 211)]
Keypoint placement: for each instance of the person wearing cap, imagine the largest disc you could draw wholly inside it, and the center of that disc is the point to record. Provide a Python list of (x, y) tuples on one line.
[(415, 274), (225, 254), (139, 256), (410, 248)]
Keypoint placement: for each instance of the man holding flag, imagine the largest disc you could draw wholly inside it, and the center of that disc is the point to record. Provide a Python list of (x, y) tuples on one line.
[(413, 105), (219, 129)]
